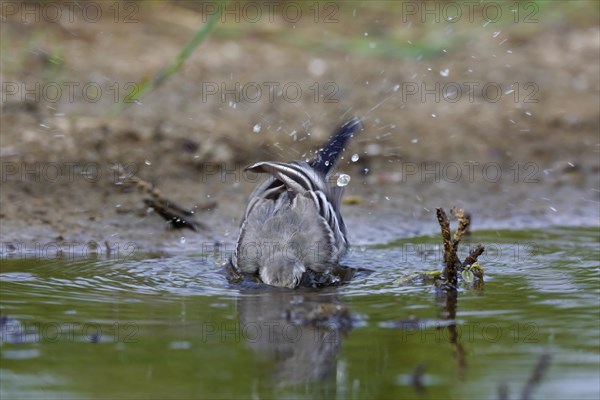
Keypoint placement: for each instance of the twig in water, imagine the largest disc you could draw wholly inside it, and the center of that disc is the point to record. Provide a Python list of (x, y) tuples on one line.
[(536, 376), (450, 257), (453, 265), (503, 392), (535, 379), (464, 222), (472, 257), (417, 379), (177, 216)]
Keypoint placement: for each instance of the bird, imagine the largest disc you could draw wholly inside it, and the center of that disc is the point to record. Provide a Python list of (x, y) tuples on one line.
[(292, 224)]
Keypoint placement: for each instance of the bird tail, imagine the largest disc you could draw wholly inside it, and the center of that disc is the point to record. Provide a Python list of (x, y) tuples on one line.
[(328, 155)]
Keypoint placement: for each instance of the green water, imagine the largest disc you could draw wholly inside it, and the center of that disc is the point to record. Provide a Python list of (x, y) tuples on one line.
[(173, 327)]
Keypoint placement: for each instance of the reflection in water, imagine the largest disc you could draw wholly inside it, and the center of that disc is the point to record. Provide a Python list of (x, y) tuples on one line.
[(301, 331), (449, 300), (399, 349)]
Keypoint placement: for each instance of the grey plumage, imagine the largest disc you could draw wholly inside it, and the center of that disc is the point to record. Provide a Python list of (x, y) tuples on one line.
[(292, 222)]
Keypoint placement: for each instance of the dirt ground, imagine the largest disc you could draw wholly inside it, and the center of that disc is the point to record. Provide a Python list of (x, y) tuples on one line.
[(527, 156)]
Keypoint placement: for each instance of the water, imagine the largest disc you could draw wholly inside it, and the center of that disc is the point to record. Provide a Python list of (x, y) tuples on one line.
[(174, 327)]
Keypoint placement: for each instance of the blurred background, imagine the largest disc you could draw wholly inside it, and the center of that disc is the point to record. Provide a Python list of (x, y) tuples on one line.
[(492, 106)]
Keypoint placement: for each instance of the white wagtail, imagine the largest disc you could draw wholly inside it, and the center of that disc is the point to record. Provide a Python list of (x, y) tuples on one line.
[(293, 223)]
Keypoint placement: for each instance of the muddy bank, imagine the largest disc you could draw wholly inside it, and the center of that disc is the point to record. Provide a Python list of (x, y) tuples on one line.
[(525, 157)]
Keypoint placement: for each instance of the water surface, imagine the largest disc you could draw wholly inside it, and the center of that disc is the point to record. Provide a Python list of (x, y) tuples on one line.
[(174, 327)]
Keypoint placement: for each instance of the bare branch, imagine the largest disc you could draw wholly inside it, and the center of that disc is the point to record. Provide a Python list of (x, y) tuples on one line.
[(450, 257), (472, 257)]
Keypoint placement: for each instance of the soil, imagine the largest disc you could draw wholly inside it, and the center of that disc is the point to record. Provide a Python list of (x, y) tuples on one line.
[(529, 159)]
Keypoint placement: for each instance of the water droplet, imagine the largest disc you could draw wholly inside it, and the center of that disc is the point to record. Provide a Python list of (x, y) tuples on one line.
[(182, 240), (326, 163), (528, 113), (317, 67), (445, 72), (495, 35), (343, 180), (433, 115), (415, 141), (355, 157), (373, 149), (366, 171), (147, 162), (256, 128), (366, 33), (395, 88)]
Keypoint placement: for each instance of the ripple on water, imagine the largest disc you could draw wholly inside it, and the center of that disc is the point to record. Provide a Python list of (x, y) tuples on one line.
[(528, 303)]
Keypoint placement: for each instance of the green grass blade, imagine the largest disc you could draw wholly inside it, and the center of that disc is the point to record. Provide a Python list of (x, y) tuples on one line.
[(145, 86)]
